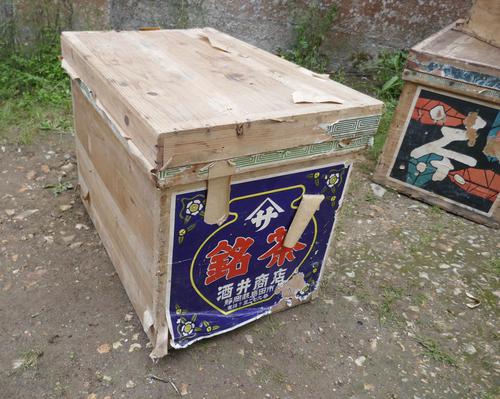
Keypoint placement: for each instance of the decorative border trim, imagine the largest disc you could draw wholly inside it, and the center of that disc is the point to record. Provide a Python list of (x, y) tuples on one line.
[(443, 84), (452, 72), (348, 134)]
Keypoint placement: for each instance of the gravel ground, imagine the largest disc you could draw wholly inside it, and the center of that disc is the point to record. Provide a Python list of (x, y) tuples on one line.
[(407, 309)]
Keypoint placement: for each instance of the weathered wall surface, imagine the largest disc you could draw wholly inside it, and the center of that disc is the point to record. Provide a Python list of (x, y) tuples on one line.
[(361, 26)]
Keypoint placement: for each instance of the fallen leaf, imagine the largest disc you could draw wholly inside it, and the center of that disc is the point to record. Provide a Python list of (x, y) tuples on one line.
[(25, 214), (45, 168), (10, 212), (104, 348), (184, 389), (117, 344), (65, 207)]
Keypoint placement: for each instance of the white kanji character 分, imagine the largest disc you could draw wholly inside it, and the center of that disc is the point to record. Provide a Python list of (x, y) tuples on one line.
[(279, 277), (243, 286), (224, 291), (261, 281)]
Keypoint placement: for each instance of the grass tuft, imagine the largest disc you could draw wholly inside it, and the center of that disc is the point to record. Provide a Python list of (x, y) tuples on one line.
[(34, 92), (433, 351)]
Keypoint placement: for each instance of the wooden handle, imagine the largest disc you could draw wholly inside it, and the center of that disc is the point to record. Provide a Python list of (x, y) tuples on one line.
[(308, 206)]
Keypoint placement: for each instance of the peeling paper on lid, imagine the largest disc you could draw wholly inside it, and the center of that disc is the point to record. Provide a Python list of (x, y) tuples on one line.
[(300, 97)]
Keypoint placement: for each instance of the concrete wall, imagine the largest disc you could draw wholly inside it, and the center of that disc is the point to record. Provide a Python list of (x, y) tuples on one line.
[(361, 27)]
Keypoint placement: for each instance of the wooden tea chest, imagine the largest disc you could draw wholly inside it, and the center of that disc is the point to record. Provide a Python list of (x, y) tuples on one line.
[(444, 142), (213, 172)]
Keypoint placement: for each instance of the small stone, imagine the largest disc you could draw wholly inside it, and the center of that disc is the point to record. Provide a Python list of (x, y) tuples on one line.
[(104, 348), (68, 167), (444, 266), (369, 387), (135, 337), (423, 275), (350, 274), (30, 175), (49, 239), (75, 245), (288, 387), (413, 308), (68, 239), (10, 212), (351, 298), (249, 339), (360, 361), (129, 316), (328, 301), (17, 363), (184, 389), (65, 207), (134, 347), (130, 384), (92, 396), (379, 191), (117, 344), (45, 168), (470, 349), (80, 226)]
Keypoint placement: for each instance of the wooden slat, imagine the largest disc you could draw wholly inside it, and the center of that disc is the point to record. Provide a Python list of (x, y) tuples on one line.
[(128, 184), (206, 145), (116, 236), (483, 21)]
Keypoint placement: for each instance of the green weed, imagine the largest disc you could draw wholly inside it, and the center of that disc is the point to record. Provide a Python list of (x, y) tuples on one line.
[(310, 31), (433, 351), (386, 311), (59, 188), (30, 359), (34, 91), (386, 73)]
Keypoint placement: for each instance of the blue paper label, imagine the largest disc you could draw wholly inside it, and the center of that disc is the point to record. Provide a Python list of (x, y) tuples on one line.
[(225, 276)]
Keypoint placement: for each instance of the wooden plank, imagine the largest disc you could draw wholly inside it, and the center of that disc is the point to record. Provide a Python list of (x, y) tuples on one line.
[(453, 86), (129, 185), (483, 21), (386, 164), (116, 237), (206, 144)]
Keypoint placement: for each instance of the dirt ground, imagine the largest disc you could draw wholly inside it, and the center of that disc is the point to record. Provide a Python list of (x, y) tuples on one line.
[(408, 306)]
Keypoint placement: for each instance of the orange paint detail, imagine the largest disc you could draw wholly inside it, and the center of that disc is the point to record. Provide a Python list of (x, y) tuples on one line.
[(479, 182), (434, 112)]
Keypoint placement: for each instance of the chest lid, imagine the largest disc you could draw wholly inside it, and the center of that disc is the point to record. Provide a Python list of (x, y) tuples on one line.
[(189, 97), (457, 55)]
